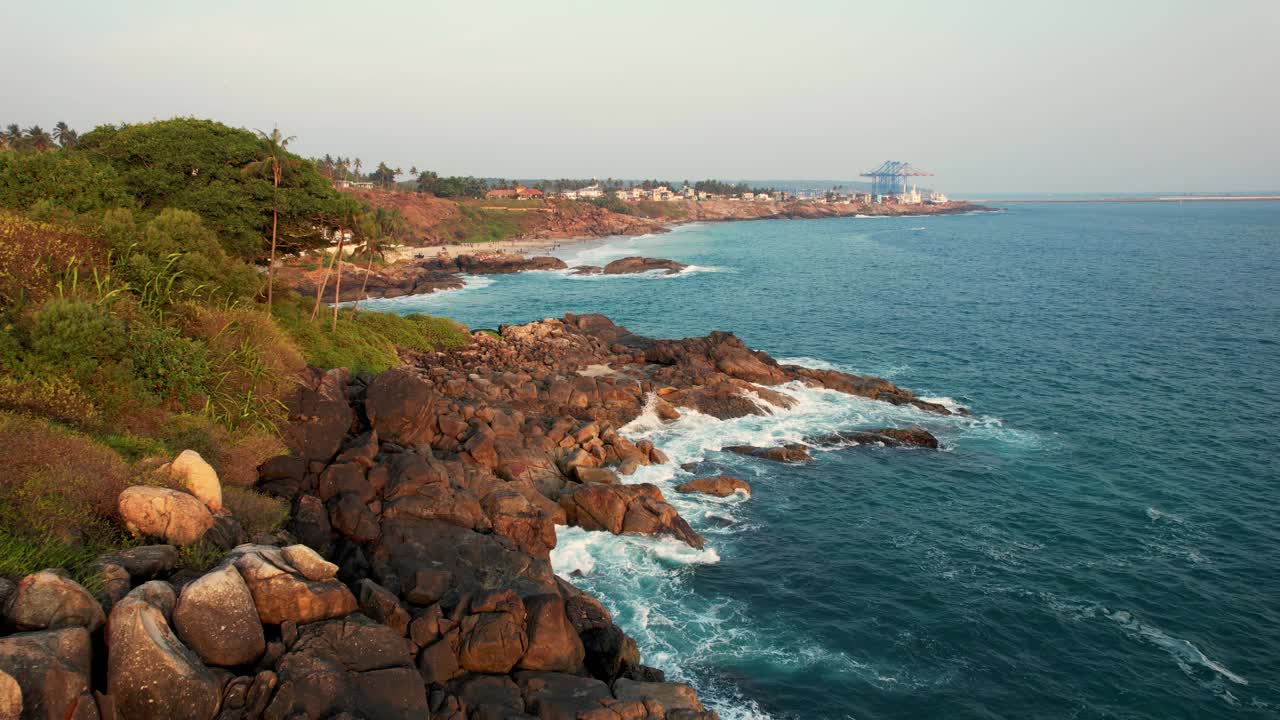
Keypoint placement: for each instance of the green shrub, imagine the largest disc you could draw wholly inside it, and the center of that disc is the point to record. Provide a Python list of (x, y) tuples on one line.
[(256, 512), (170, 365), (76, 336), (21, 556), (367, 341), (68, 180)]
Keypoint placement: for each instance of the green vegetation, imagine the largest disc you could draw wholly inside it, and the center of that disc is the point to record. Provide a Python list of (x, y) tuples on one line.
[(132, 324), (479, 225), (451, 187)]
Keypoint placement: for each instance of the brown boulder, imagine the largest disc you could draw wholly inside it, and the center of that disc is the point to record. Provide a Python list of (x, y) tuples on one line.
[(720, 486), (215, 616), (178, 518), (319, 416), (352, 665), (401, 407), (661, 699), (637, 509), (150, 673), (790, 453), (281, 592), (50, 600), (10, 697), (636, 264), (888, 437), (51, 670), (493, 638), (553, 643)]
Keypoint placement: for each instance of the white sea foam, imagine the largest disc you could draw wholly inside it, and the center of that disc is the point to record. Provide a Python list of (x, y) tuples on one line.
[(404, 303), (1183, 651)]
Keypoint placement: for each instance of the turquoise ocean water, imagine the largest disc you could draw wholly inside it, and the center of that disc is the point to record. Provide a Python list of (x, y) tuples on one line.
[(1100, 540)]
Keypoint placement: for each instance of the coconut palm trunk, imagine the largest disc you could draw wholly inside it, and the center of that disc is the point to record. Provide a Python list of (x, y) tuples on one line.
[(337, 283), (364, 283), (324, 283)]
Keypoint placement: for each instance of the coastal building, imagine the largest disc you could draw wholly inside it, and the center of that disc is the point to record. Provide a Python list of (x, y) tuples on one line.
[(519, 192)]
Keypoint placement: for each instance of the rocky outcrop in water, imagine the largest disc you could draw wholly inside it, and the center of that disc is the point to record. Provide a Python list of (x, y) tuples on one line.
[(413, 579)]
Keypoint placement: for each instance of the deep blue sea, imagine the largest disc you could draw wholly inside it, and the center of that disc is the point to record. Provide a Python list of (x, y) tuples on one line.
[(1100, 540)]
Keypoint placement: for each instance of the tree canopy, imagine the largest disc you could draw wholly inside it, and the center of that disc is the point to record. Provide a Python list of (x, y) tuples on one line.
[(197, 165)]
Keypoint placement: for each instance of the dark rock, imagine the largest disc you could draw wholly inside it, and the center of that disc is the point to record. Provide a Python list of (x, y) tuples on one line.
[(790, 453), (380, 605), (319, 416), (559, 695), (888, 437), (608, 650), (637, 264), (401, 407), (52, 670), (310, 524), (352, 665)]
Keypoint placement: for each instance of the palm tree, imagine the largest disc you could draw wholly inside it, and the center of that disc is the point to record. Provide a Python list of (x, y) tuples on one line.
[(65, 136), (13, 135), (357, 164), (38, 138), (276, 159)]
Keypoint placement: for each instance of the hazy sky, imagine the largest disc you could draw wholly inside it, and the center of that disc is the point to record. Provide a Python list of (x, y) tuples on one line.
[(1025, 95)]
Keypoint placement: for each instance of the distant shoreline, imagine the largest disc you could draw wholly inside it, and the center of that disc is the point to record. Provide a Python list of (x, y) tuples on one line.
[(1167, 198)]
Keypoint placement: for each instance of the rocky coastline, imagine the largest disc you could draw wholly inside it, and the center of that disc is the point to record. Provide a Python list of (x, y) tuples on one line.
[(413, 579)]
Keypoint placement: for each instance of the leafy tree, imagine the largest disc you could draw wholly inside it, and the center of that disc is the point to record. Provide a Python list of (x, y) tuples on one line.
[(276, 161), (383, 174), (196, 165), (67, 180), (13, 134)]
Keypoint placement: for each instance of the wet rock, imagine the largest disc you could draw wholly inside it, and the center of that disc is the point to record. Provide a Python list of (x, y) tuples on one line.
[(49, 600), (636, 264), (888, 437), (52, 671), (176, 517), (790, 453), (351, 665), (281, 592), (150, 673), (719, 486), (215, 616), (637, 509), (660, 699), (198, 478), (608, 651)]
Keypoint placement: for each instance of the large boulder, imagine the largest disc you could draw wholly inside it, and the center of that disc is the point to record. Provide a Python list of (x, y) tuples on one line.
[(319, 415), (51, 669), (493, 637), (49, 599), (283, 592), (561, 696), (352, 665), (888, 437), (401, 407), (216, 617), (636, 509), (636, 264), (476, 562), (176, 517), (150, 673), (553, 643), (10, 697), (661, 699), (719, 486), (789, 453), (198, 478)]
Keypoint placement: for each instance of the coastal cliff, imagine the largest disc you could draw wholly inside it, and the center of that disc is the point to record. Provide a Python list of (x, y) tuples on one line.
[(413, 577), (437, 221)]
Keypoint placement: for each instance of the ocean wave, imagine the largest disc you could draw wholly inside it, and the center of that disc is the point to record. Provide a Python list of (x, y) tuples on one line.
[(406, 303)]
